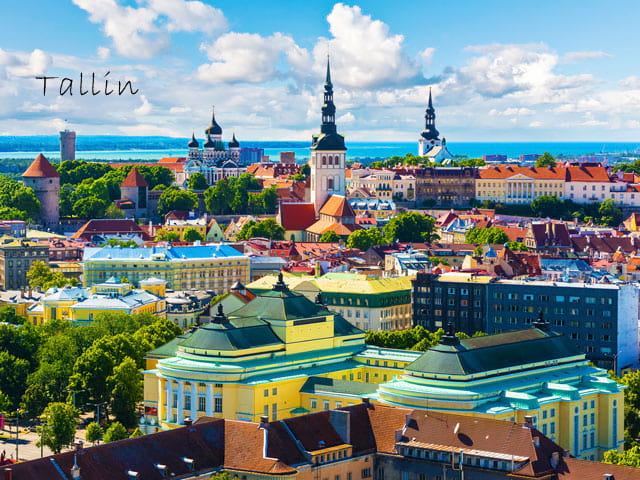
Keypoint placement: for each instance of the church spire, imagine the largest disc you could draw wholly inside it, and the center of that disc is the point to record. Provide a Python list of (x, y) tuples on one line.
[(430, 132), (430, 100), (328, 108)]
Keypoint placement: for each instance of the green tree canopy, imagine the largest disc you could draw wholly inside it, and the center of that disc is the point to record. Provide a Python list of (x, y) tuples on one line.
[(175, 199), (218, 197), (329, 237), (93, 433), (115, 432), (610, 214), (41, 277), (127, 391), (365, 239), (546, 206), (163, 235), (59, 425), (545, 160), (114, 242), (491, 235), (190, 234), (91, 207), (197, 181), (410, 227), (267, 228)]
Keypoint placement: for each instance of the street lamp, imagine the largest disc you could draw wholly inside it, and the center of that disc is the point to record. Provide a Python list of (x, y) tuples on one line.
[(97, 405), (18, 412), (73, 394)]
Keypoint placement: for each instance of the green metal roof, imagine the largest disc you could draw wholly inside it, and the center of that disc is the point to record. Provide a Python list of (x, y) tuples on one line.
[(278, 305), (227, 337), (494, 352), (170, 348), (317, 385)]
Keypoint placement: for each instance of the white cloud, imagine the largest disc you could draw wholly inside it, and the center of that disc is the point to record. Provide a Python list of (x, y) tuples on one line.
[(536, 124), (426, 56), (511, 111), (143, 32), (145, 108), (103, 53), (25, 65), (575, 57), (364, 54), (346, 118), (148, 129), (251, 58), (179, 110)]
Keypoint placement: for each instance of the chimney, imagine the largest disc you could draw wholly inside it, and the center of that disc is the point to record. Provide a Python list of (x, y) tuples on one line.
[(608, 476), (340, 421), (188, 422), (536, 441), (528, 421), (264, 421), (555, 459), (75, 470), (8, 474), (366, 402)]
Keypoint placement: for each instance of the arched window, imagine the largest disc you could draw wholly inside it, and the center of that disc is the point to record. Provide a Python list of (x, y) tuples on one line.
[(324, 160)]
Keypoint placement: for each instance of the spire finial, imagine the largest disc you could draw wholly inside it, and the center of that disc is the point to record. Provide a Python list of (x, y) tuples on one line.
[(430, 101), (328, 80)]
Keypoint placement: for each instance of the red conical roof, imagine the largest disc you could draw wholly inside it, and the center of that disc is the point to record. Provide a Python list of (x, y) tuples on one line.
[(134, 179), (41, 168)]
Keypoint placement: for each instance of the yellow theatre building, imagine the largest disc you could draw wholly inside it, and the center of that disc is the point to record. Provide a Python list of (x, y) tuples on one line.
[(282, 355)]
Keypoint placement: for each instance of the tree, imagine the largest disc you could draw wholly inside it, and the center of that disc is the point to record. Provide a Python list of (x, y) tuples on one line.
[(113, 212), (631, 407), (365, 239), (59, 427), (12, 213), (410, 227), (545, 160), (90, 207), (329, 237), (8, 315), (126, 393), (197, 181), (115, 432), (491, 235), (13, 376), (609, 213), (546, 206), (517, 246), (190, 234), (114, 242), (218, 198), (93, 433), (136, 433), (175, 199), (41, 277), (163, 235), (267, 228), (629, 458)]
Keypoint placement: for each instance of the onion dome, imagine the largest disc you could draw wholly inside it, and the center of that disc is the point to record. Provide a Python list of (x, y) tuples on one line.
[(234, 143), (193, 143), (209, 143), (214, 128)]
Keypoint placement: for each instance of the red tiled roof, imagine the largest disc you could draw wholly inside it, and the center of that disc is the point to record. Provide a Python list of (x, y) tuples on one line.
[(134, 179), (297, 216), (41, 168), (337, 206), (109, 227), (577, 469)]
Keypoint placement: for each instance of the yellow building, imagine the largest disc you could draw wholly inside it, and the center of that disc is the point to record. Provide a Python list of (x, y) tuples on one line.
[(206, 267), (269, 357), (514, 184), (369, 303), (82, 305), (179, 226)]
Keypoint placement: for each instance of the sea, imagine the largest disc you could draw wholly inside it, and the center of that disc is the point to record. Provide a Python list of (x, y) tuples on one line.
[(110, 148)]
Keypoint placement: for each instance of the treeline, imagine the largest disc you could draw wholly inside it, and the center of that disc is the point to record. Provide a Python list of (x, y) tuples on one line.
[(417, 338), (414, 160), (17, 202), (100, 362), (240, 195)]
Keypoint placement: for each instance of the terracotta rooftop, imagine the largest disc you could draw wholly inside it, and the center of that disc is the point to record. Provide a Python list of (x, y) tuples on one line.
[(337, 206), (109, 227), (134, 179), (297, 216), (41, 168)]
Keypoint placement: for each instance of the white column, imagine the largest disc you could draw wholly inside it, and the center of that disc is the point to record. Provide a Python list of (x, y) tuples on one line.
[(209, 401), (160, 394), (169, 400), (180, 409), (194, 401)]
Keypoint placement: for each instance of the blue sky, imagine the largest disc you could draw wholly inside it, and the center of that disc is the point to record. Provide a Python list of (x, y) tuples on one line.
[(500, 70)]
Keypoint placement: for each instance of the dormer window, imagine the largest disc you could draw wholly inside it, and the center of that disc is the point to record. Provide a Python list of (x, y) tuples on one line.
[(162, 469), (189, 463)]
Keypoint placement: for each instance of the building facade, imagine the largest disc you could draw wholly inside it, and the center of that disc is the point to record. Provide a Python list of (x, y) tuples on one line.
[(16, 257), (206, 267), (600, 319), (67, 145)]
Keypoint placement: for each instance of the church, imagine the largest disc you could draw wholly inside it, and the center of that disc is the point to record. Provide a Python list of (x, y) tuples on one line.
[(331, 210), (429, 143), (215, 161)]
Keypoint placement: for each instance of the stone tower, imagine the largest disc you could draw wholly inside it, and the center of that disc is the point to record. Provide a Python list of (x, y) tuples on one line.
[(135, 189), (327, 159), (67, 145), (45, 181), (430, 137)]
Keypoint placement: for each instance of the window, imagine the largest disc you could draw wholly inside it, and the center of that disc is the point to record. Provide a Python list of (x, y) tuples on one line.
[(544, 414), (593, 404), (584, 420), (574, 299), (217, 406), (274, 391), (366, 473), (266, 392), (326, 405), (314, 404), (202, 403), (559, 298), (527, 296), (187, 402)]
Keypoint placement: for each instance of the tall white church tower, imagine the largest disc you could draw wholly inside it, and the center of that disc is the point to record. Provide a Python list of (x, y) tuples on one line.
[(327, 160)]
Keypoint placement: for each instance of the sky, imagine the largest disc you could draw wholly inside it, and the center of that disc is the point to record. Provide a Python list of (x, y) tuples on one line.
[(499, 70)]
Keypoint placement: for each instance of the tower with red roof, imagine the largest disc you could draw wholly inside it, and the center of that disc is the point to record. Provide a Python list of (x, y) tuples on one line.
[(133, 193), (45, 181)]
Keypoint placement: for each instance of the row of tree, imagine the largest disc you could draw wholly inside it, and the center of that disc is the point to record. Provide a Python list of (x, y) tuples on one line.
[(17, 202), (240, 195), (417, 338)]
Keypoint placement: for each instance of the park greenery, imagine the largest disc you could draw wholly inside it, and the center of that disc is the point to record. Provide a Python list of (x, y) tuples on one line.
[(410, 227), (240, 195), (491, 235), (329, 237), (197, 181), (190, 234), (416, 338), (163, 235), (42, 277), (267, 228), (58, 427), (17, 202), (54, 368), (365, 239)]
